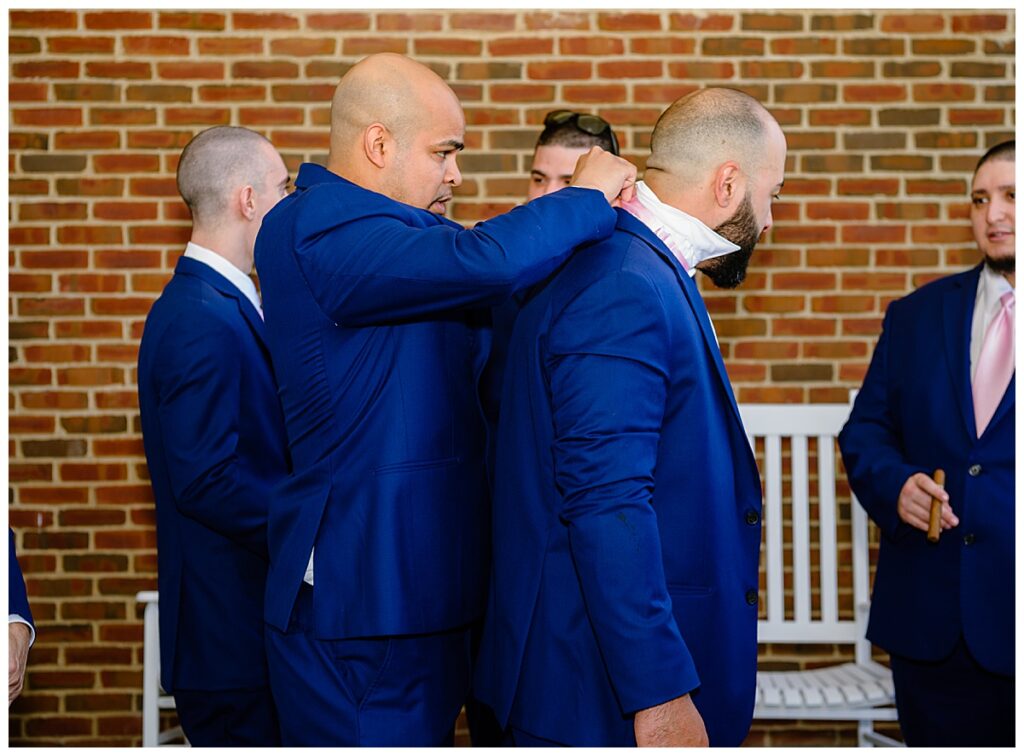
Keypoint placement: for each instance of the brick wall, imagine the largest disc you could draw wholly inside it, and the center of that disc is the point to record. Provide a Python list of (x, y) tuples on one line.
[(886, 113)]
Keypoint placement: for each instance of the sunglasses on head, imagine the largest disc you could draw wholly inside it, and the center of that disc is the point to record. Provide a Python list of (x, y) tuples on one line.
[(586, 122)]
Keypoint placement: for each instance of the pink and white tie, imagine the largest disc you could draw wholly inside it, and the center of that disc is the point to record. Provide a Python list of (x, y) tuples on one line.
[(995, 364)]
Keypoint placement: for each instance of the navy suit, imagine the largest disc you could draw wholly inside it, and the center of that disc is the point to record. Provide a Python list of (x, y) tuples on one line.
[(915, 414), (215, 446), (377, 325), (17, 597), (627, 508)]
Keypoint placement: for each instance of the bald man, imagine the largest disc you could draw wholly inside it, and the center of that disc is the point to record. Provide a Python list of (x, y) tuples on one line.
[(215, 445), (627, 509), (377, 321)]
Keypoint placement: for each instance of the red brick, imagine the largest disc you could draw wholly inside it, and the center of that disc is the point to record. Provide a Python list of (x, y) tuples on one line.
[(125, 539), (936, 234), (803, 234), (630, 69), (23, 92), (944, 92), (28, 236), (118, 447), (501, 22), (371, 45), (156, 45), (662, 46), (701, 22), (874, 234), (837, 303), (733, 46), (443, 46), (840, 211), (19, 473), (47, 116), (520, 46), (913, 23), (89, 329), (598, 93), (28, 187), (43, 19), (620, 22), (197, 117), (23, 45), (53, 495), (190, 70), (126, 163), (28, 425), (804, 46), (119, 20), (264, 21), (976, 117), (562, 69), (122, 116), (779, 69), (874, 93), (230, 46), (980, 23), (56, 726), (192, 20), (87, 140), (90, 376), (522, 92), (414, 21), (591, 46), (55, 400)]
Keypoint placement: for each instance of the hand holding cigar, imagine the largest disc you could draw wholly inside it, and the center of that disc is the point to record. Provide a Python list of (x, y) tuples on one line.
[(936, 510), (915, 504)]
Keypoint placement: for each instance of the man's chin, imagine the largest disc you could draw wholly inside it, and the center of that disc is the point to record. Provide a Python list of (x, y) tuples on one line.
[(439, 206), (1004, 263)]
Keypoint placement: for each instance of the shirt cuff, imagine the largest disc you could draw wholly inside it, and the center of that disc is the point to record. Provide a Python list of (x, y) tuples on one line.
[(18, 618)]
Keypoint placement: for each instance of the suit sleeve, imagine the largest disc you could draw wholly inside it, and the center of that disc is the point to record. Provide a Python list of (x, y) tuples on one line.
[(17, 596), (871, 442), (379, 269), (607, 365), (199, 406)]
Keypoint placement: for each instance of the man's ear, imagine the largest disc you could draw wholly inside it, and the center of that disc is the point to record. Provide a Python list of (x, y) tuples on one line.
[(727, 183), (377, 144), (247, 202)]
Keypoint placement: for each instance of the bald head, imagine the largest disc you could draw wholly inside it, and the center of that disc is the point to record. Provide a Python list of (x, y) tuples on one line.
[(702, 130), (216, 163), (385, 88)]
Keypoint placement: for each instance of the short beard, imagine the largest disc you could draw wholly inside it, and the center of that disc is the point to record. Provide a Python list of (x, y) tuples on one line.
[(1004, 265), (729, 271)]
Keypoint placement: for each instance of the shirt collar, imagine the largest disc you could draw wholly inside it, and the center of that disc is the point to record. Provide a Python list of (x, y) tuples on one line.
[(689, 239), (234, 276)]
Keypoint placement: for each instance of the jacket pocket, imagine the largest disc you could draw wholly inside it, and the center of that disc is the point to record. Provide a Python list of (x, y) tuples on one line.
[(415, 465)]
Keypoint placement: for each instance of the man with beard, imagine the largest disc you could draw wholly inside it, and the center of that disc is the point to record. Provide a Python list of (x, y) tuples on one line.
[(627, 511), (939, 395)]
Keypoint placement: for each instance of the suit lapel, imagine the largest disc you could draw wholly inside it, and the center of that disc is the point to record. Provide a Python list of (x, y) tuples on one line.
[(188, 266), (630, 224), (957, 311)]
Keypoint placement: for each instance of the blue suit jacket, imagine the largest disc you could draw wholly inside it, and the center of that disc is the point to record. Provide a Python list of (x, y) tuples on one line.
[(915, 414), (627, 508), (17, 597), (377, 324), (215, 445)]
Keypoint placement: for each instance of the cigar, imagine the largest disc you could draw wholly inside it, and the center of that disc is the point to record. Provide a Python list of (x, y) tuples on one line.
[(933, 515)]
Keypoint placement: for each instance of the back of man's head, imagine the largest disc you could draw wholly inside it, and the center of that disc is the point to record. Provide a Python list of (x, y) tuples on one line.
[(700, 131), (214, 164)]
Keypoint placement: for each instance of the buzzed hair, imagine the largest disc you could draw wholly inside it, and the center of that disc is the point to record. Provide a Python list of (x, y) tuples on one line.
[(214, 163), (568, 134), (707, 127), (1002, 151)]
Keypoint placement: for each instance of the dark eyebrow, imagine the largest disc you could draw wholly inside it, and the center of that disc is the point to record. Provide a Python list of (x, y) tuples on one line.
[(454, 144)]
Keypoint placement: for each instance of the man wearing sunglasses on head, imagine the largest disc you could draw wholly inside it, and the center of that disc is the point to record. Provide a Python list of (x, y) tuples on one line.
[(566, 137)]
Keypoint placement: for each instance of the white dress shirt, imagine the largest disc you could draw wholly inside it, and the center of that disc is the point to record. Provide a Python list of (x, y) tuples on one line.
[(991, 287), (688, 238), (240, 280)]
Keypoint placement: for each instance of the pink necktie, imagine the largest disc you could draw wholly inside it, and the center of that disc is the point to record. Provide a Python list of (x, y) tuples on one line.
[(995, 364)]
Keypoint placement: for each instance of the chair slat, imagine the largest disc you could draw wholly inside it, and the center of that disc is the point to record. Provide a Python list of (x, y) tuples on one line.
[(827, 529), (801, 531), (773, 525)]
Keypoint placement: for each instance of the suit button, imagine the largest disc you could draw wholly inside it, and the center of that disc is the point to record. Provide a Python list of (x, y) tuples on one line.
[(969, 539), (751, 597), (751, 517), (974, 471)]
